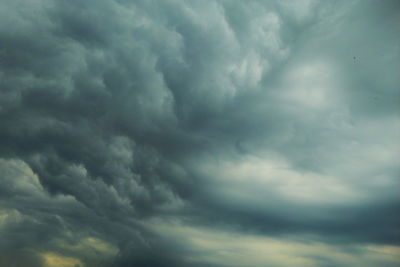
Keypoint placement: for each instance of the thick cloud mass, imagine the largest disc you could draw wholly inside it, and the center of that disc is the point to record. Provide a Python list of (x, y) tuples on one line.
[(199, 133)]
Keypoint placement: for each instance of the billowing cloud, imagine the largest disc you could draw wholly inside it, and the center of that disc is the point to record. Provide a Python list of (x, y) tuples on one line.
[(188, 133)]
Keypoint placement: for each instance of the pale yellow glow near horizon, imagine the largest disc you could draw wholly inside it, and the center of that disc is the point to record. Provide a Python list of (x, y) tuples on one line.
[(96, 250), (55, 260)]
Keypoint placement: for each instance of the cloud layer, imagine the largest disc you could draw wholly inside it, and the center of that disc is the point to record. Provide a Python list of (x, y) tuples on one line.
[(188, 133)]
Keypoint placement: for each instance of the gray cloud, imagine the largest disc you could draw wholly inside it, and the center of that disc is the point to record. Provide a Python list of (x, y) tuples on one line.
[(180, 133)]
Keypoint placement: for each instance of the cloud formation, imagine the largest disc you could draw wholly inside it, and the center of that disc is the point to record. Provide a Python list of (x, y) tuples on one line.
[(187, 133)]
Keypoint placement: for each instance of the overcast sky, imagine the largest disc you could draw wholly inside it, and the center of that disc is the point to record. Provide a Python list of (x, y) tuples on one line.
[(199, 133)]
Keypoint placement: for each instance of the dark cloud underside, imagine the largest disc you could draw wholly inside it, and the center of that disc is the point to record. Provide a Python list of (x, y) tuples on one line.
[(199, 133)]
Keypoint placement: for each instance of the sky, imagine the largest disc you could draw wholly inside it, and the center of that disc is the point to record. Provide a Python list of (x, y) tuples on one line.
[(187, 133)]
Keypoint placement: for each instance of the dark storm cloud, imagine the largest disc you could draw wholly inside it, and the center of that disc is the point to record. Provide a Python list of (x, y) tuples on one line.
[(120, 120)]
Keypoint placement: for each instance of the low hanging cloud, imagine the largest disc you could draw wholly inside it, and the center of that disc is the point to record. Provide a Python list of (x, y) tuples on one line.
[(188, 133)]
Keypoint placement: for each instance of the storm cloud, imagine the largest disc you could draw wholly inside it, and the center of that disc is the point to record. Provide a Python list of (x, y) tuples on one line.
[(199, 133)]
